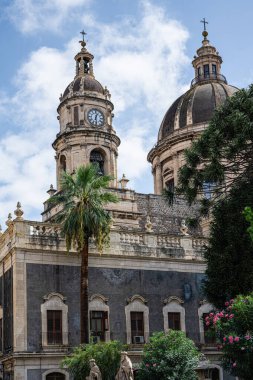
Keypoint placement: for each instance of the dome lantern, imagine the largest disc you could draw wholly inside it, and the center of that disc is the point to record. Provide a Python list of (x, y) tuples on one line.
[(207, 63), (84, 65)]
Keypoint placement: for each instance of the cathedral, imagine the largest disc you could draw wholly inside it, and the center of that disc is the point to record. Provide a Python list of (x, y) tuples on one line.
[(150, 277)]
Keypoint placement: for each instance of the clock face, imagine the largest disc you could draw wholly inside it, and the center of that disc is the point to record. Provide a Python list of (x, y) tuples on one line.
[(96, 117)]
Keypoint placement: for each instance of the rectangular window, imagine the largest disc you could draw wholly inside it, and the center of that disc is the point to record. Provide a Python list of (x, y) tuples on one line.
[(209, 336), (199, 71), (98, 325), (54, 326), (137, 327), (174, 321), (76, 116), (214, 69), (206, 71)]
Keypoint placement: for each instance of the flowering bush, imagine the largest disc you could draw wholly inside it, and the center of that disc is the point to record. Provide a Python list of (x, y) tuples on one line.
[(234, 330), (169, 356)]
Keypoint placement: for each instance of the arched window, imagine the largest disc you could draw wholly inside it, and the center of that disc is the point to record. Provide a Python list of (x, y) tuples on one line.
[(63, 163), (55, 376), (97, 159)]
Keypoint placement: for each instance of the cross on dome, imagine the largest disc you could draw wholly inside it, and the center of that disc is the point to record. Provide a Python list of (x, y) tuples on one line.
[(83, 43), (204, 22), (204, 33)]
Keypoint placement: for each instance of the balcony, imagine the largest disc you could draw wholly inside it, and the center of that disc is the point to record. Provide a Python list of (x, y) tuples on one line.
[(209, 77)]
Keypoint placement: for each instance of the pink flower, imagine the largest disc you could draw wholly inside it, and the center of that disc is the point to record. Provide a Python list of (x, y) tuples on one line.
[(234, 364), (154, 365), (147, 365), (207, 323), (227, 303), (224, 339), (211, 314), (236, 339), (247, 337), (231, 316), (230, 339)]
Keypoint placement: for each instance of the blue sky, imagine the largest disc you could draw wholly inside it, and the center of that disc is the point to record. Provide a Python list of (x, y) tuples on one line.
[(143, 51)]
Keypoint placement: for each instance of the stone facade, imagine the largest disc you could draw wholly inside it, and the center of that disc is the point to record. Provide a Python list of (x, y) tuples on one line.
[(153, 268)]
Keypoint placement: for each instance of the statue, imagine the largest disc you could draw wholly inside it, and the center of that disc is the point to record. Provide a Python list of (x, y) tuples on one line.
[(125, 371), (95, 373)]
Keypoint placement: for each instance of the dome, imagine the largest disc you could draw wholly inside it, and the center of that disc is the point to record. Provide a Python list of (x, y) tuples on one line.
[(195, 106), (85, 83)]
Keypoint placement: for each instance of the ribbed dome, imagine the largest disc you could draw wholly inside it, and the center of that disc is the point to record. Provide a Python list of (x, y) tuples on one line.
[(195, 106), (85, 83)]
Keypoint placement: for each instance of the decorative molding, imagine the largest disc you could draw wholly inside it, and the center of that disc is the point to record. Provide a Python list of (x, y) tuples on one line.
[(57, 370), (136, 297), (173, 299), (99, 297), (51, 295), (203, 302)]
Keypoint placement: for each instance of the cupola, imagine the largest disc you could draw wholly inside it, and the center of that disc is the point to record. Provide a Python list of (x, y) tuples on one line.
[(189, 115)]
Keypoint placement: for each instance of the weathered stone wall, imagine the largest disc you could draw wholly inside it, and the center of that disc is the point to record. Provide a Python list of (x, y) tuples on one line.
[(115, 284)]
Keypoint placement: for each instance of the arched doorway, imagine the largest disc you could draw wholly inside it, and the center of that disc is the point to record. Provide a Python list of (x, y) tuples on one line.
[(55, 376)]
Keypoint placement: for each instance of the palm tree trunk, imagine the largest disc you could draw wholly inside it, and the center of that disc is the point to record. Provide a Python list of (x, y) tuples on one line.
[(84, 297)]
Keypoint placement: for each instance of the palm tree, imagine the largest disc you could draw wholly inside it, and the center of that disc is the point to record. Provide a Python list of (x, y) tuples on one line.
[(83, 216)]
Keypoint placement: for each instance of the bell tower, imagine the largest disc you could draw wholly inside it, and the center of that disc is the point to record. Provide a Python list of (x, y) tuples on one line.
[(85, 115)]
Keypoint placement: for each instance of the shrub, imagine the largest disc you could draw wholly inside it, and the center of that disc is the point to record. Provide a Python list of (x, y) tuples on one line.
[(234, 329), (106, 355), (169, 356)]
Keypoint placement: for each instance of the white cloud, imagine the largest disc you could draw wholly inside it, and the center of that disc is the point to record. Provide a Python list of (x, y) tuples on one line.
[(141, 61), (37, 15)]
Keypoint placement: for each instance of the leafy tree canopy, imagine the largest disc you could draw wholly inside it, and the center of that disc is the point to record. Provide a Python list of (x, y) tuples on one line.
[(169, 356), (229, 254), (106, 355), (223, 155), (82, 200)]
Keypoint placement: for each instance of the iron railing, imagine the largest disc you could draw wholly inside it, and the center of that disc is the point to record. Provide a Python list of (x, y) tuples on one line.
[(208, 77)]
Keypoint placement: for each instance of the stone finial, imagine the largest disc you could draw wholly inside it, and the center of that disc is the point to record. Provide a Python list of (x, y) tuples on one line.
[(19, 212), (123, 182), (184, 228), (148, 225), (51, 191), (107, 93), (9, 220)]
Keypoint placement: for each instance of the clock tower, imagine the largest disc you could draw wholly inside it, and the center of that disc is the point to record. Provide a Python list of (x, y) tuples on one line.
[(85, 117)]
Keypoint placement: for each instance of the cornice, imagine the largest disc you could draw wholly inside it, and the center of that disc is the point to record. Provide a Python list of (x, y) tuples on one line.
[(86, 132)]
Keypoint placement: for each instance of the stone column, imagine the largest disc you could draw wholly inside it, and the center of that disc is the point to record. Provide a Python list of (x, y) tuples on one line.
[(158, 179)]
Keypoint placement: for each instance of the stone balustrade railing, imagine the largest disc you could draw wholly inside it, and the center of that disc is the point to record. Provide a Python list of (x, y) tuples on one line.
[(47, 236)]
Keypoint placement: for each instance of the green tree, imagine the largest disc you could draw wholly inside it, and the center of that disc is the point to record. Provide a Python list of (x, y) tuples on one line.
[(106, 355), (233, 326), (248, 213), (169, 356), (229, 254), (82, 215), (223, 155)]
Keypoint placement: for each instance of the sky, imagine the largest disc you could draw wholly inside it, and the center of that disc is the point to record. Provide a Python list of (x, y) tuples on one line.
[(143, 51)]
